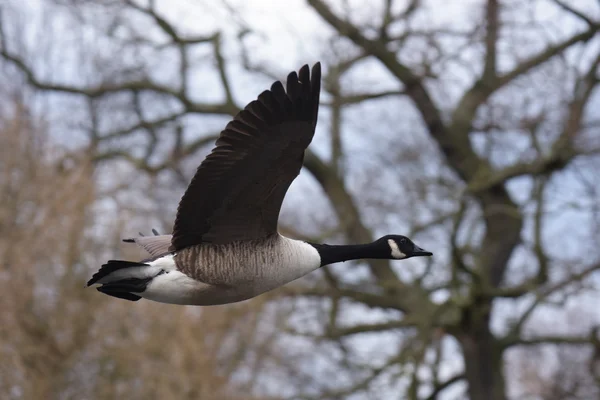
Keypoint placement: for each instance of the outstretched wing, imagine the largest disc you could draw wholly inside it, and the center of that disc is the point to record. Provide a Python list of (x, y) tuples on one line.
[(237, 191)]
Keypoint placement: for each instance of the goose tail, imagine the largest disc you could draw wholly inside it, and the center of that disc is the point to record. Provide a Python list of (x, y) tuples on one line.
[(124, 279)]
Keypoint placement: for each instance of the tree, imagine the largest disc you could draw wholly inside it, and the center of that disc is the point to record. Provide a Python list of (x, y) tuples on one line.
[(500, 126), (58, 341)]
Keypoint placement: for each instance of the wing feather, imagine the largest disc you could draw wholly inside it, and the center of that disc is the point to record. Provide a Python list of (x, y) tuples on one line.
[(237, 191)]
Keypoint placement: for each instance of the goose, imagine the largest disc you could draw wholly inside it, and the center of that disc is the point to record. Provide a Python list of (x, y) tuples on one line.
[(225, 246)]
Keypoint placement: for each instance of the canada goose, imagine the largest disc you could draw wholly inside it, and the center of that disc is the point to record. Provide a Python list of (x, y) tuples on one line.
[(225, 246)]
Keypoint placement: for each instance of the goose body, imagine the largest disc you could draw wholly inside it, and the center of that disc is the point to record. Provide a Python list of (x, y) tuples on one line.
[(225, 246), (219, 274)]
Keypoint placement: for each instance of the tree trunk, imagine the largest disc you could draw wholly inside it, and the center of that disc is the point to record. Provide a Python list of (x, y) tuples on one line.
[(483, 361)]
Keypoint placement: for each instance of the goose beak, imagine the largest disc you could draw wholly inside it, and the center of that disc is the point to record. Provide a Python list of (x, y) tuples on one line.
[(417, 251)]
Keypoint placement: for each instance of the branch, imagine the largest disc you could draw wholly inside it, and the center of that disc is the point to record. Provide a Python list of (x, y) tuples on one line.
[(222, 72), (142, 163), (161, 22), (486, 179), (348, 214), (368, 299), (544, 56), (104, 89), (417, 313), (543, 294), (335, 129), (97, 91), (444, 385), (481, 90), (575, 12), (386, 20), (432, 223), (141, 125), (456, 149), (337, 332), (349, 99), (558, 340), (360, 385), (109, 88), (167, 27), (561, 152), (540, 190), (410, 9), (458, 259), (491, 40)]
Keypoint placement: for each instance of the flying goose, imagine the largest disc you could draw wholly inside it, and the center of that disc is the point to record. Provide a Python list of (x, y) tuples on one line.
[(225, 246)]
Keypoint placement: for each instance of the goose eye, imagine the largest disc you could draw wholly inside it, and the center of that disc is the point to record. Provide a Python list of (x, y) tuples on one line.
[(403, 241)]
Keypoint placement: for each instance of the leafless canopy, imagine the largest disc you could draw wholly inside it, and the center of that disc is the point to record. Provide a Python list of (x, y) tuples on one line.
[(470, 126)]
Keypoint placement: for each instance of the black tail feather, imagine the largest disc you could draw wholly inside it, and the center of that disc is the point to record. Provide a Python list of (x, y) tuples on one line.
[(119, 295), (112, 266), (123, 288), (127, 285)]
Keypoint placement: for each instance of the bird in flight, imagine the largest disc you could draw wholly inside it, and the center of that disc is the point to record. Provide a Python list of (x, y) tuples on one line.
[(225, 246)]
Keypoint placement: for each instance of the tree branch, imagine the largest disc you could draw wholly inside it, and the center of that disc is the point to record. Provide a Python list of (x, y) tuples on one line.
[(167, 27), (457, 150), (142, 163), (139, 85), (338, 332), (348, 214), (561, 152), (483, 88), (575, 12), (355, 98), (143, 124), (479, 93), (368, 299), (539, 340), (491, 40), (543, 294), (538, 220), (360, 385), (131, 86), (444, 385), (488, 179), (222, 72)]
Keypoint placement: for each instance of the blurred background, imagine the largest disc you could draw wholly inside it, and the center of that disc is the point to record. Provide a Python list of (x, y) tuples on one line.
[(471, 126)]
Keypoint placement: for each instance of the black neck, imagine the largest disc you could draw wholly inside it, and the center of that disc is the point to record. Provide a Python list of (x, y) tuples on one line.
[(337, 253)]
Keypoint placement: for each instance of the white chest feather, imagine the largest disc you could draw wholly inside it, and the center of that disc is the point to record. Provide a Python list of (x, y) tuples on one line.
[(291, 260)]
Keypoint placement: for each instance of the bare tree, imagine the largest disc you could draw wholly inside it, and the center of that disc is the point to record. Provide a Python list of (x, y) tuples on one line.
[(482, 173), (495, 168), (59, 341)]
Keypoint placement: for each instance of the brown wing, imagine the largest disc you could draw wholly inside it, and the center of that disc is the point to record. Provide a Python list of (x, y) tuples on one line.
[(238, 189)]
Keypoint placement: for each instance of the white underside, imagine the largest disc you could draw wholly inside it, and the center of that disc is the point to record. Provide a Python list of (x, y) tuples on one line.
[(174, 287), (292, 260), (171, 286)]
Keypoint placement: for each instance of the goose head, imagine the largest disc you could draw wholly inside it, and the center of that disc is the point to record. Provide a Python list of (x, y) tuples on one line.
[(398, 247)]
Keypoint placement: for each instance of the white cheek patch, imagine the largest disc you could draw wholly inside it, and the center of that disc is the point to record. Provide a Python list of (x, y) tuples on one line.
[(396, 253)]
